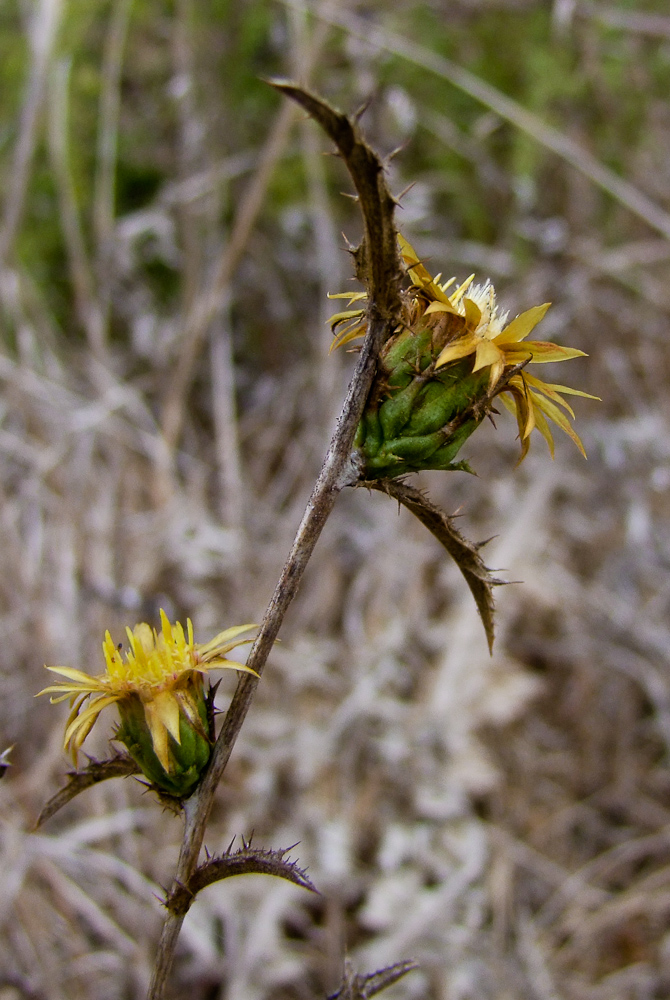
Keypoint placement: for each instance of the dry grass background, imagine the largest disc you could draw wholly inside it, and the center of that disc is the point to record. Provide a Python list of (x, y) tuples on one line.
[(504, 821)]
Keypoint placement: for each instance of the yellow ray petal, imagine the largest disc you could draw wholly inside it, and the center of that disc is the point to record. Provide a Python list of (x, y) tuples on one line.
[(232, 665), (163, 710), (568, 390), (79, 676), (547, 390), (347, 335), (520, 391), (541, 352), (487, 354), (520, 327), (341, 317), (553, 412), (64, 691), (441, 307), (86, 719), (61, 694), (352, 296), (419, 274), (456, 296), (224, 641), (518, 405), (227, 646), (544, 429), (459, 348), (530, 422), (76, 707), (509, 404), (473, 313)]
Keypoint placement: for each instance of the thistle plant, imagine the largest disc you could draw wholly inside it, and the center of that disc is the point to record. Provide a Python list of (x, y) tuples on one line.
[(431, 366)]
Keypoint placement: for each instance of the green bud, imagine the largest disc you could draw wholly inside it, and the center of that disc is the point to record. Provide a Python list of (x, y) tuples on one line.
[(418, 417), (395, 412), (407, 347), (187, 758)]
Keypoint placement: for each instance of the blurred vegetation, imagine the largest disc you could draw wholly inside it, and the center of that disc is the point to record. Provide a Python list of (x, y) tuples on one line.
[(599, 84)]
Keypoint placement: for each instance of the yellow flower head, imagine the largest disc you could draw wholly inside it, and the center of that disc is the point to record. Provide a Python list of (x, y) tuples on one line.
[(161, 670), (467, 323)]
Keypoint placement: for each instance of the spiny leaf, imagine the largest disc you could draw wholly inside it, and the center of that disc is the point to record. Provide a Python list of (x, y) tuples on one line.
[(246, 861), (361, 987), (118, 766)]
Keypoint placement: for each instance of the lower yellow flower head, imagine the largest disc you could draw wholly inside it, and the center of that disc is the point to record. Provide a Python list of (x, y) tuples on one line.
[(158, 687)]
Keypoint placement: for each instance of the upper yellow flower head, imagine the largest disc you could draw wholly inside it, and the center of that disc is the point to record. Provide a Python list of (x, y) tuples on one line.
[(467, 322), (161, 672)]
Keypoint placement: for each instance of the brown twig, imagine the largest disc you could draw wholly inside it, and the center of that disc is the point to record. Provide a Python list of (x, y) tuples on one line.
[(378, 266)]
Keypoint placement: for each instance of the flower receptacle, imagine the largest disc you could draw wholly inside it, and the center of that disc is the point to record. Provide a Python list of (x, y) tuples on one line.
[(187, 758), (418, 417)]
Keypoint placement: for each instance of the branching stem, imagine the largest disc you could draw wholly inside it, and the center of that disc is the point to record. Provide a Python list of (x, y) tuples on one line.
[(378, 267)]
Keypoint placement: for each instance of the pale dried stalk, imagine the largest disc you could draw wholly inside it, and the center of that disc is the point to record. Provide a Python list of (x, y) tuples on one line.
[(627, 194), (329, 261), (108, 136), (191, 152), (639, 22), (209, 303), (86, 302), (197, 237), (231, 485), (43, 29), (378, 265)]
